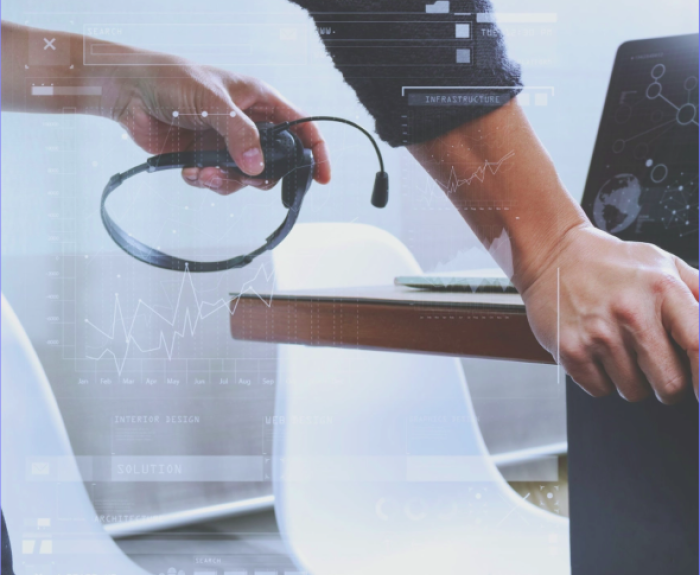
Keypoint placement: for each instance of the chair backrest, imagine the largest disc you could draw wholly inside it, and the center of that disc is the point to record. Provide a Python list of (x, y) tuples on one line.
[(51, 521), (379, 465), (328, 255)]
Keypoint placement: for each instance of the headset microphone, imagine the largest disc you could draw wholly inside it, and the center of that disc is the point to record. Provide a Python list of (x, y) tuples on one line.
[(380, 192)]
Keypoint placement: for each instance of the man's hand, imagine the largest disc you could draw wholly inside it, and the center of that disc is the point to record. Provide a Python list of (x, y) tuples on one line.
[(628, 316), (628, 311), (203, 108), (170, 106)]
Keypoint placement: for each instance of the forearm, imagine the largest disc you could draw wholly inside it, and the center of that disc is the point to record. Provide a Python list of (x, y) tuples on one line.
[(87, 89), (22, 70), (500, 178)]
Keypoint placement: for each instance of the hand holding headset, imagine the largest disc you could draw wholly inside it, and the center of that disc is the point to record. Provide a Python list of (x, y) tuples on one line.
[(285, 159)]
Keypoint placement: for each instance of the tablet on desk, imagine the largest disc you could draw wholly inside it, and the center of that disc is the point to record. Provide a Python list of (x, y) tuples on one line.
[(490, 280)]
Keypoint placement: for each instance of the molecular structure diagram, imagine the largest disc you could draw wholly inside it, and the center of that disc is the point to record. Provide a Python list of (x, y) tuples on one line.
[(678, 203), (685, 113), (675, 202)]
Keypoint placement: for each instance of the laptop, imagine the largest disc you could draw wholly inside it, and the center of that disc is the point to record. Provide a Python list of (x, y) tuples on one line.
[(633, 468)]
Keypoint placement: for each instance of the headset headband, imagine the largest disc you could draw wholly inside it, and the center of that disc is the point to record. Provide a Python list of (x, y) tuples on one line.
[(285, 158)]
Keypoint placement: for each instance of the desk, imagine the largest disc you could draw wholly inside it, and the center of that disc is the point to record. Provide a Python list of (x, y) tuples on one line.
[(391, 318)]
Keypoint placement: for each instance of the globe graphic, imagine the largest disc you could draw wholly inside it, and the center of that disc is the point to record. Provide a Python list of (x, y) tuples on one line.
[(617, 204)]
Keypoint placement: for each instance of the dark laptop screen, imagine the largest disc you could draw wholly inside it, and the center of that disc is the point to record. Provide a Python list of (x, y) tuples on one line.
[(643, 180)]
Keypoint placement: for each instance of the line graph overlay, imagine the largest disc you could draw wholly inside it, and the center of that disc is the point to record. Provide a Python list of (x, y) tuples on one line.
[(432, 188), (183, 319), (453, 183)]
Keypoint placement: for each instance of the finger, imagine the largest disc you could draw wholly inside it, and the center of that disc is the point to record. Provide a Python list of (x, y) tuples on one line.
[(664, 368), (679, 316), (590, 376), (276, 108), (220, 181), (191, 176), (322, 169), (621, 366), (311, 137), (689, 275), (240, 134), (226, 181), (259, 184)]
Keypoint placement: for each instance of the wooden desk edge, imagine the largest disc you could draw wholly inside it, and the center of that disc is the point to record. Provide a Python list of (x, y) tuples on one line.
[(387, 325)]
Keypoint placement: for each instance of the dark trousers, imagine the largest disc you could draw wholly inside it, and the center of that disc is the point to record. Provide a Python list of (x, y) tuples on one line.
[(633, 485)]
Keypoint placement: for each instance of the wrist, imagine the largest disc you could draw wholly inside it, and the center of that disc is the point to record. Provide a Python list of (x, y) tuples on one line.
[(537, 246), (541, 259), (123, 76), (115, 84), (522, 213)]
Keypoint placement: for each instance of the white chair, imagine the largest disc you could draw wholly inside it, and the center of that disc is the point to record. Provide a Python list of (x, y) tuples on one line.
[(51, 522), (380, 467)]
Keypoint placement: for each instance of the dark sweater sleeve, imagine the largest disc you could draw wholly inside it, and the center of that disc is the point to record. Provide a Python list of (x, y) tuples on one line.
[(421, 68)]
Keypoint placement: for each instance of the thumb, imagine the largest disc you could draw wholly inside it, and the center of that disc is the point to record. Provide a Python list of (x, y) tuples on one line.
[(241, 136)]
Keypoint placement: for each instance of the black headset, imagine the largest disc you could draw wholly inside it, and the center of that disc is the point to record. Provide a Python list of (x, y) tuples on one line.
[(285, 159)]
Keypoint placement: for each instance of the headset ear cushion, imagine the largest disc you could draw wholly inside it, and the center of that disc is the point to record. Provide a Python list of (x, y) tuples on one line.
[(297, 184), (289, 189), (299, 180), (308, 172)]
